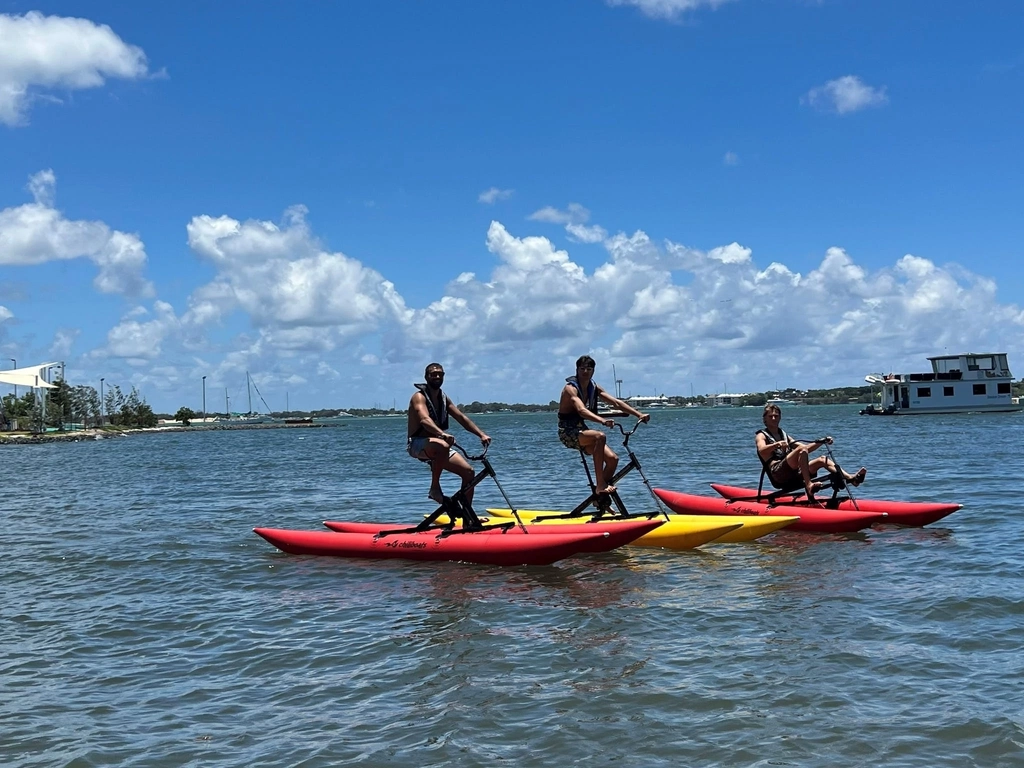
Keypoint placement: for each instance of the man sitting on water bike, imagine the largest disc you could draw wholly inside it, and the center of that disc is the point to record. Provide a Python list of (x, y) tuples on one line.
[(429, 439), (787, 461), (579, 402)]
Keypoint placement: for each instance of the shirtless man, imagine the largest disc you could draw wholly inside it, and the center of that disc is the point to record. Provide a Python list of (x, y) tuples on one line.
[(429, 439), (579, 402), (787, 461)]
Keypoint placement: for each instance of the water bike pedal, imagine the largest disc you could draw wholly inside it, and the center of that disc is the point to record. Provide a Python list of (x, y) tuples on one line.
[(608, 505), (454, 509), (479, 528), (457, 510), (836, 481)]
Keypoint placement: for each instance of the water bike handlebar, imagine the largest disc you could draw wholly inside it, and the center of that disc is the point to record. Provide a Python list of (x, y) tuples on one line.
[(466, 453), (479, 457), (626, 435), (826, 440)]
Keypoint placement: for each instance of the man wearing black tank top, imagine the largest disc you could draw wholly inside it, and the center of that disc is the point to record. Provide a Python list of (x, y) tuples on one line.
[(429, 439)]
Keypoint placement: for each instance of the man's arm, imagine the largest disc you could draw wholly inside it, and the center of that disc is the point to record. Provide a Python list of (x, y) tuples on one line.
[(467, 423), (766, 447), (581, 407), (418, 406), (811, 445)]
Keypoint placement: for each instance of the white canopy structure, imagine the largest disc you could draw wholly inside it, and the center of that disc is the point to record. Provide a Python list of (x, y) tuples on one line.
[(33, 376)]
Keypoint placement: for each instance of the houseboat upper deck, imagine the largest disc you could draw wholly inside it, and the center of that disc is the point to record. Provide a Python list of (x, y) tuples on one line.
[(969, 383)]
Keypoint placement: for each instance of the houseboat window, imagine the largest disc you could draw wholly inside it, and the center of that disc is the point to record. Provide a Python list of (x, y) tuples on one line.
[(1004, 388), (980, 363), (924, 391), (979, 389), (947, 391)]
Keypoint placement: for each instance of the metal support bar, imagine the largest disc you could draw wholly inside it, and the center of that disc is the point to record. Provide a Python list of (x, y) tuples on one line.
[(456, 508)]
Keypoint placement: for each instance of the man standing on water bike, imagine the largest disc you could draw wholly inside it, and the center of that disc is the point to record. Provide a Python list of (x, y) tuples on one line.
[(429, 439), (787, 461), (578, 403)]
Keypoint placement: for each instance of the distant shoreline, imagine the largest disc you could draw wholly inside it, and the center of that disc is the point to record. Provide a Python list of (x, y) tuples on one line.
[(28, 438)]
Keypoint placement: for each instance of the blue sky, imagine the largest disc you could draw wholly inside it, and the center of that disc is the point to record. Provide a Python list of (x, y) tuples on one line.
[(716, 194)]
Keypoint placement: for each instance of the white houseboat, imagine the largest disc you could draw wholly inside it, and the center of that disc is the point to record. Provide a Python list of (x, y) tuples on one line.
[(969, 383)]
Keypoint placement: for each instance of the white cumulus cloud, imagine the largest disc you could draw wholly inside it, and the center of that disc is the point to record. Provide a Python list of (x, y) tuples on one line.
[(573, 214), (668, 9), (575, 219), (535, 292), (846, 94), (63, 341), (586, 234), (137, 339), (286, 282), (54, 52), (667, 314), (493, 195), (36, 233)]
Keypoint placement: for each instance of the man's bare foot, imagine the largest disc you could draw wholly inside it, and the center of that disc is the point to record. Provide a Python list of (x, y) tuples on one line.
[(858, 478), (435, 494), (607, 489)]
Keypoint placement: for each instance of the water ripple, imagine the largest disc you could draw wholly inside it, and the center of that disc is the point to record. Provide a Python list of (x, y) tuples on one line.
[(145, 625)]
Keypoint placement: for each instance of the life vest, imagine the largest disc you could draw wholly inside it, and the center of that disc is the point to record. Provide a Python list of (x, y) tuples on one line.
[(778, 453), (441, 419), (590, 401)]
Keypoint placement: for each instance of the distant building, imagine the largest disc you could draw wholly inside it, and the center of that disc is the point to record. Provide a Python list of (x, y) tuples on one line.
[(640, 402), (726, 400)]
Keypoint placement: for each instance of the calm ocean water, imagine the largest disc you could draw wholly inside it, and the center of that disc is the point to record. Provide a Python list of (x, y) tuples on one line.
[(144, 624)]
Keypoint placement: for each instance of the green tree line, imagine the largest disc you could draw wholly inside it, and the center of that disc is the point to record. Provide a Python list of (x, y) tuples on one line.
[(66, 404)]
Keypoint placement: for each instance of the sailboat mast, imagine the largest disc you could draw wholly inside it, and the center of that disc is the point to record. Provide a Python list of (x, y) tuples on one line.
[(248, 391)]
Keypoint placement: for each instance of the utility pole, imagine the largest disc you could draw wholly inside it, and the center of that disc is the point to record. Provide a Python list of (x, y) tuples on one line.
[(101, 402), (227, 404), (204, 400)]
